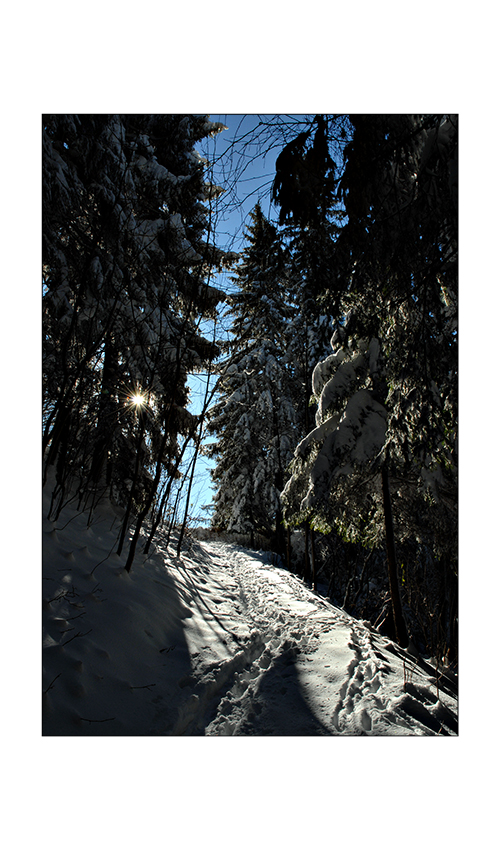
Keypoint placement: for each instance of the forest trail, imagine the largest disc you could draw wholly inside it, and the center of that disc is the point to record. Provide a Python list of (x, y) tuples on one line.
[(301, 666), (218, 641)]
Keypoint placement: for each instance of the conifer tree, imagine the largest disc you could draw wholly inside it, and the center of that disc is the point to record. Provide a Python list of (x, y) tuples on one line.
[(255, 418), (385, 435), (127, 262)]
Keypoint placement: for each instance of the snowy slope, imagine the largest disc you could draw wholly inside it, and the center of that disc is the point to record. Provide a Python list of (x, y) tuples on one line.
[(217, 642)]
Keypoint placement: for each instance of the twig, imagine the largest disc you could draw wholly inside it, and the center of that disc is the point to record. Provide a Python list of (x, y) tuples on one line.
[(104, 559), (139, 687), (65, 594), (79, 634), (408, 674), (106, 720), (57, 598), (76, 616), (75, 516), (52, 683)]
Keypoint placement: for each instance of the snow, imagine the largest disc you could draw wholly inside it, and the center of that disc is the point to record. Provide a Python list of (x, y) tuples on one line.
[(218, 642), (323, 370), (337, 387), (363, 427), (357, 438)]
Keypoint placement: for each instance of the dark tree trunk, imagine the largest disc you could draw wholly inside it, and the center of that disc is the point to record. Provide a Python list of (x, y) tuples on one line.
[(135, 479), (106, 415), (58, 434), (150, 496), (280, 533), (252, 526), (397, 611), (159, 514), (448, 610), (188, 496), (313, 563), (307, 568), (173, 517)]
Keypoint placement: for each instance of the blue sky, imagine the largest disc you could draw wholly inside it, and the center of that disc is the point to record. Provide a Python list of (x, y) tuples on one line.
[(245, 169), (246, 173)]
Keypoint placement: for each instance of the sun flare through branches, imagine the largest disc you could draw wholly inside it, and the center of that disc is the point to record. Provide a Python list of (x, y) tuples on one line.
[(135, 399)]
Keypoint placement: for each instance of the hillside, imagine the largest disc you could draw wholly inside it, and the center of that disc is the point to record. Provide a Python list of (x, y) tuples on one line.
[(217, 642)]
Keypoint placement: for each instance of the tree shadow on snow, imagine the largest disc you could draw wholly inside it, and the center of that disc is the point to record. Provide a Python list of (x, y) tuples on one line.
[(206, 608), (115, 654), (280, 705)]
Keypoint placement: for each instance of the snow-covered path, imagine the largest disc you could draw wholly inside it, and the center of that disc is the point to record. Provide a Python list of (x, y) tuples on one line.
[(217, 642), (282, 640), (298, 665)]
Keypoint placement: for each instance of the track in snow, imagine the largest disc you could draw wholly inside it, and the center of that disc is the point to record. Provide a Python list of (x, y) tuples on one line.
[(297, 665)]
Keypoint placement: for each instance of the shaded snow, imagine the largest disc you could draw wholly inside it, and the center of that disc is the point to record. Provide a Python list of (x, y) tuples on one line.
[(218, 642)]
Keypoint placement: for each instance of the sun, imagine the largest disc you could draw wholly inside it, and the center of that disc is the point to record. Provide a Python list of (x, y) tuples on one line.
[(134, 397), (137, 400)]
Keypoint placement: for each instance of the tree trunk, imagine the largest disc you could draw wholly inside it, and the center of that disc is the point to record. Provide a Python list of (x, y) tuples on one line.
[(173, 516), (307, 569), (135, 479), (252, 527), (397, 611), (149, 498), (106, 415), (313, 563), (188, 496), (57, 435), (279, 535)]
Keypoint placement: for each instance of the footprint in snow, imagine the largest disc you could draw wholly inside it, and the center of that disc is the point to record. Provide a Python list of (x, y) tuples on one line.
[(366, 722)]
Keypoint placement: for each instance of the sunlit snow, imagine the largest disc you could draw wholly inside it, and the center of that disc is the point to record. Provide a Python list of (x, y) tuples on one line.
[(217, 642)]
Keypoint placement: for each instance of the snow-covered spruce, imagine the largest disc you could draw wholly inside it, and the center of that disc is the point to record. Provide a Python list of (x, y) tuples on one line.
[(263, 407), (255, 419), (126, 272)]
